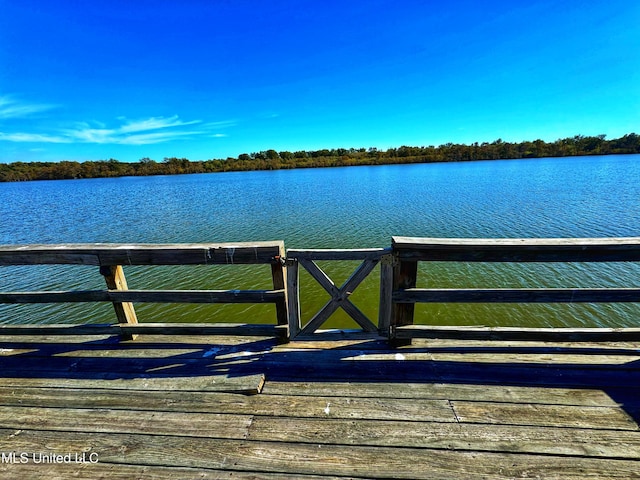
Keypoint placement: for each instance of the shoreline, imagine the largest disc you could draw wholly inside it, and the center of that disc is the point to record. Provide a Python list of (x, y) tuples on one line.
[(271, 160)]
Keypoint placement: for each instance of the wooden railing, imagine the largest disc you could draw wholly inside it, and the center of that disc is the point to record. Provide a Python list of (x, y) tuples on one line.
[(111, 258), (398, 280), (409, 251), (339, 295)]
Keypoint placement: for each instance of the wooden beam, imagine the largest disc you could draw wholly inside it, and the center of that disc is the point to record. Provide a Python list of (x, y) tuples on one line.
[(293, 297), (143, 254), (115, 279), (521, 295), (213, 329), (404, 277), (279, 279), (148, 296), (520, 334), (386, 290), (518, 249), (335, 254)]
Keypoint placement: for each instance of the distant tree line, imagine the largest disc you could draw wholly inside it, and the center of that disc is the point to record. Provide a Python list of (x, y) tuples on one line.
[(273, 160)]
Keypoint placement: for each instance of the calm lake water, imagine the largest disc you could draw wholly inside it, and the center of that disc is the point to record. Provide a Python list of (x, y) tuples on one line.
[(351, 207)]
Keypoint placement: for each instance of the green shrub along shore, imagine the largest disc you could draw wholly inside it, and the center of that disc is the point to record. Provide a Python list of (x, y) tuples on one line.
[(338, 157)]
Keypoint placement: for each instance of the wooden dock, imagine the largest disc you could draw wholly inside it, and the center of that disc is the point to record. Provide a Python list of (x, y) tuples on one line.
[(397, 399), (338, 406)]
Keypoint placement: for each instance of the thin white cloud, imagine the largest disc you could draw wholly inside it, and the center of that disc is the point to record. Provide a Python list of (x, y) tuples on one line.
[(157, 137), (155, 123), (12, 108), (33, 138), (220, 124), (147, 131)]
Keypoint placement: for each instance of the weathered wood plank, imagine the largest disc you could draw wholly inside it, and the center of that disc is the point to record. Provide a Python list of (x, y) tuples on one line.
[(114, 471), (565, 416), (105, 420), (620, 347), (444, 391), (518, 249), (517, 357), (117, 396), (142, 254), (451, 436), (293, 297), (279, 281), (281, 457), (222, 329), (149, 296), (335, 254), (520, 334), (94, 359), (386, 290), (520, 295), (564, 376), (246, 385)]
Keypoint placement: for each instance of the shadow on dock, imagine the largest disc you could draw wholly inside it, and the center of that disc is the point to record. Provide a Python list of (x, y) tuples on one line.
[(611, 368)]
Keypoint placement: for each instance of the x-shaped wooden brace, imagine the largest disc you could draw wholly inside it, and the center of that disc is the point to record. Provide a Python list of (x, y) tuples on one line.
[(339, 296)]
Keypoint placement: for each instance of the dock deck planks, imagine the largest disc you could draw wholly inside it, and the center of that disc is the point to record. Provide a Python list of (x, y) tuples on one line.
[(349, 407)]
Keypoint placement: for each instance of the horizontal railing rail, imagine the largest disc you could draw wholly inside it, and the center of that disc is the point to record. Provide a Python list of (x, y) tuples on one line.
[(103, 254), (110, 258), (408, 251)]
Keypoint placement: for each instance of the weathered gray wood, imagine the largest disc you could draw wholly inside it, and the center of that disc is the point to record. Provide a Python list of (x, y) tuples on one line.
[(329, 308), (279, 280), (587, 397), (111, 257), (453, 436), (104, 420), (63, 388), (518, 249), (334, 254), (353, 411), (224, 329), (404, 277), (520, 334), (544, 415), (339, 295), (293, 297), (142, 254), (119, 471), (515, 356), (319, 276), (522, 295), (410, 250), (302, 458), (115, 395), (581, 442), (386, 290), (149, 296)]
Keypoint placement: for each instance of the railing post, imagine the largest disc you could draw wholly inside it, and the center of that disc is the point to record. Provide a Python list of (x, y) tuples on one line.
[(279, 276), (293, 296), (125, 313), (386, 291), (405, 274)]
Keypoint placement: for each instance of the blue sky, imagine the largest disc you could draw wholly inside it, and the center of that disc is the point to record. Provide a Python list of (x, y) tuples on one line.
[(89, 80)]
